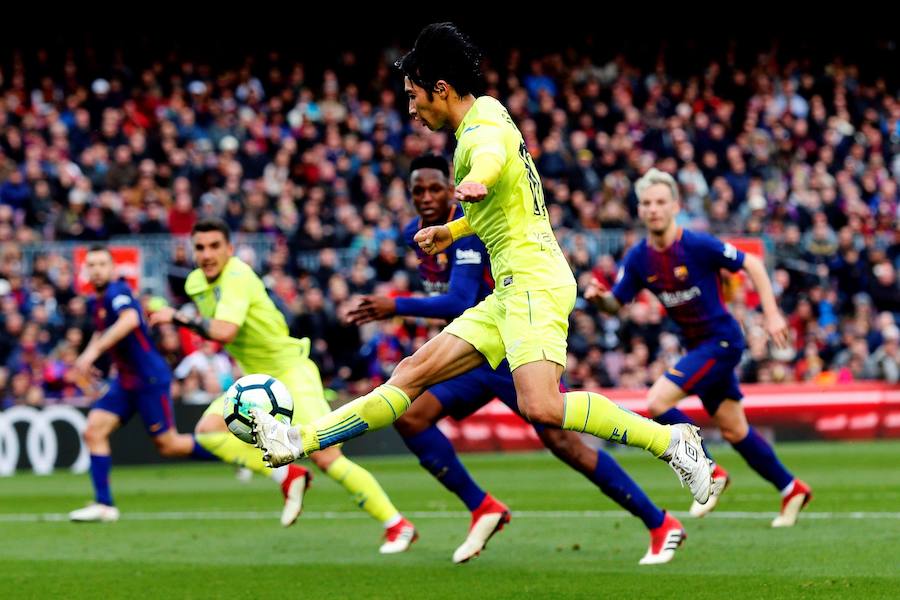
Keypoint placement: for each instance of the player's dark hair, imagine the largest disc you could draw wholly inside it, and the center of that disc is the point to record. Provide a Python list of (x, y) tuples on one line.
[(430, 161), (212, 224), (99, 248), (443, 52)]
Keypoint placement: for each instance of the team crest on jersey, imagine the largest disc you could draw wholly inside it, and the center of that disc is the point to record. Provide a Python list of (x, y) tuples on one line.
[(102, 313), (681, 273), (441, 259), (217, 293)]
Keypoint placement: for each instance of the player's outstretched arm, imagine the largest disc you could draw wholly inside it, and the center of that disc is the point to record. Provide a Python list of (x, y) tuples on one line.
[(212, 329), (372, 308), (775, 324), (602, 297)]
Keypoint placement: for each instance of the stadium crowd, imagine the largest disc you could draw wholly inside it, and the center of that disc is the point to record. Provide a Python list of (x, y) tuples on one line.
[(800, 153)]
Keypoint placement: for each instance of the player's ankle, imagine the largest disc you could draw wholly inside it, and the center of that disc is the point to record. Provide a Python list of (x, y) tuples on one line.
[(673, 443), (294, 437), (393, 521)]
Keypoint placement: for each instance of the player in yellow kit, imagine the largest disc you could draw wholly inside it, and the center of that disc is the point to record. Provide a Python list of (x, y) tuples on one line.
[(235, 309), (525, 319)]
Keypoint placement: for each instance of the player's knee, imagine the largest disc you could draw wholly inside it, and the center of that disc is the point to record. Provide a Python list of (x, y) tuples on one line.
[(406, 371), (324, 458), (541, 409), (559, 443), (210, 424), (94, 435), (166, 447), (733, 432), (656, 404), (408, 366), (409, 424)]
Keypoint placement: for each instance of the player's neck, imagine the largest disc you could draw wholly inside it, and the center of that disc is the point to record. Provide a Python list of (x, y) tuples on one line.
[(661, 241), (458, 110)]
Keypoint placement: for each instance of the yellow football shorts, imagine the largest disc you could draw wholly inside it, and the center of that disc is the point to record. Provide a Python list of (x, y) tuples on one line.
[(522, 327)]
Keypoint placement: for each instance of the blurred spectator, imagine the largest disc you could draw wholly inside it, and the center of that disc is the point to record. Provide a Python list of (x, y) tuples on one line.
[(210, 364), (315, 160)]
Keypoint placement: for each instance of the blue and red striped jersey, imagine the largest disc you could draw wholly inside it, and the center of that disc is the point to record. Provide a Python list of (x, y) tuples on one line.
[(686, 279)]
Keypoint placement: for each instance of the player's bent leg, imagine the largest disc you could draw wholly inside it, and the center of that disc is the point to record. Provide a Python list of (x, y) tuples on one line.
[(586, 412), (399, 533), (662, 400), (212, 438), (761, 457), (100, 425), (423, 413), (418, 429), (436, 454), (441, 358), (603, 470), (663, 396), (537, 389), (731, 421), (666, 532), (171, 444)]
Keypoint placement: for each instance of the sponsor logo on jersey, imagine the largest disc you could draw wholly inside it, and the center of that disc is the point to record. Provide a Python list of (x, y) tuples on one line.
[(468, 257), (435, 287), (679, 297)]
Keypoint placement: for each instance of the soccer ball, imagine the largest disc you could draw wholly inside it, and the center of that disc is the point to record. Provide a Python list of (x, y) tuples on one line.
[(259, 390)]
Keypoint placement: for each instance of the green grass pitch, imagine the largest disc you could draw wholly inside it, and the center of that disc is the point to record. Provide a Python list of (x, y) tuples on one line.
[(194, 531)]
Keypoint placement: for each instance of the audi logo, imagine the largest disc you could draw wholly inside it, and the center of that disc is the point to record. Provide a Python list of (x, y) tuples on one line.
[(41, 444)]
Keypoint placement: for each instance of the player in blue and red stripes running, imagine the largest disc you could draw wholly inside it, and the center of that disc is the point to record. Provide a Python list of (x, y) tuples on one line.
[(141, 384), (682, 269)]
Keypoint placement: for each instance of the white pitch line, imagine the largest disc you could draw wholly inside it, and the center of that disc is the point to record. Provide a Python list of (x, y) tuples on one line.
[(525, 514)]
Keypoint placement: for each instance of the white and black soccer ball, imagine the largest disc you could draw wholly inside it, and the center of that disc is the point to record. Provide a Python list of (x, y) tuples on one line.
[(258, 390)]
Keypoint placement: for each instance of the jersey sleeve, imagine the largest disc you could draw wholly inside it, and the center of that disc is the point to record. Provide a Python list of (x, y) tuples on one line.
[(468, 262), (119, 298), (628, 281), (236, 290), (712, 250)]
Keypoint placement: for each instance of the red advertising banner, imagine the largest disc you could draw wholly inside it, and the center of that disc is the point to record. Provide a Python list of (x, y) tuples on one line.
[(128, 265), (851, 411)]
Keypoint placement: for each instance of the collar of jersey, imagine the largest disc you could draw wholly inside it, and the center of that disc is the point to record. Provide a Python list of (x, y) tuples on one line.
[(470, 116)]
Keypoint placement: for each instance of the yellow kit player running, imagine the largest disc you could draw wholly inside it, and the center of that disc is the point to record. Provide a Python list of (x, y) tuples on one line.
[(525, 319), (235, 309)]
